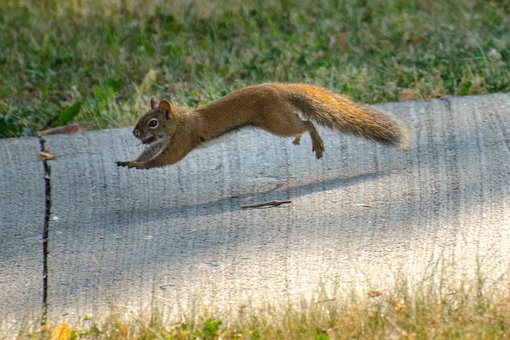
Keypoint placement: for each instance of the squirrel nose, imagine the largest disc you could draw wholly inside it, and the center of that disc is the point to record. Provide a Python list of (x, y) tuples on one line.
[(136, 133)]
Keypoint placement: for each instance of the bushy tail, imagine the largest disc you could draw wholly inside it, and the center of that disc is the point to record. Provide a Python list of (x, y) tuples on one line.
[(341, 113)]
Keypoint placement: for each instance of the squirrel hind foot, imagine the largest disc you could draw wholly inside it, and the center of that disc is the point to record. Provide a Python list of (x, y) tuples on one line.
[(318, 148), (297, 140), (319, 152)]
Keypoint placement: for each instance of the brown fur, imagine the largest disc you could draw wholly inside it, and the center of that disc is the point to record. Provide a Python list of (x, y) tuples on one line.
[(276, 108)]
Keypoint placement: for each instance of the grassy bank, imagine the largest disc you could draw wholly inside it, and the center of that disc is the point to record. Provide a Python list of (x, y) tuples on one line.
[(462, 313), (96, 62)]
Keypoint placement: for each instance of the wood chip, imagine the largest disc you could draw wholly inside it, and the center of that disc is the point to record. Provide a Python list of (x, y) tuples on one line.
[(66, 129)]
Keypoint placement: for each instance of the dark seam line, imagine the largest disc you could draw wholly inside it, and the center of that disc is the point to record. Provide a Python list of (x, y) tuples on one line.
[(45, 235)]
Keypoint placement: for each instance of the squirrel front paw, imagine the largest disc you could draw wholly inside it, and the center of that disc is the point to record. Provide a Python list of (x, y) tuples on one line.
[(122, 163), (130, 164)]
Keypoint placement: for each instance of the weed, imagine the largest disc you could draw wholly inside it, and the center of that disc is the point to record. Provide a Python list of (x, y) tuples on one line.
[(399, 313)]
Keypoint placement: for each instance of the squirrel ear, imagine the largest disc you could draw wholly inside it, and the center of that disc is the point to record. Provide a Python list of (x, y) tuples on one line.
[(154, 103), (165, 106)]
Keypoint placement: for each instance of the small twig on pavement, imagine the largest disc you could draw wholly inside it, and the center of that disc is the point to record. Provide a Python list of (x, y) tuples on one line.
[(265, 204)]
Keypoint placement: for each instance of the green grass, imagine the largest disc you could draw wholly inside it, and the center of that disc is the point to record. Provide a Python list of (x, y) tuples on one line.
[(97, 63), (440, 313)]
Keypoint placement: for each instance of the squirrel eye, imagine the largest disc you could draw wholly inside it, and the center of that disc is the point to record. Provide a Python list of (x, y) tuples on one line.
[(153, 123)]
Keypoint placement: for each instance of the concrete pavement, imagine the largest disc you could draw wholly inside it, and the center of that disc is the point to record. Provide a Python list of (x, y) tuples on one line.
[(362, 217)]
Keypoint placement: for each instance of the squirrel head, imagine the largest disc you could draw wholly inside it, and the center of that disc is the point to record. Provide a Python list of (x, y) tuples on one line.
[(156, 124)]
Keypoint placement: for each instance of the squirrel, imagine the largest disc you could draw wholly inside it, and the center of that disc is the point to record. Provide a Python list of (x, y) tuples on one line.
[(169, 132)]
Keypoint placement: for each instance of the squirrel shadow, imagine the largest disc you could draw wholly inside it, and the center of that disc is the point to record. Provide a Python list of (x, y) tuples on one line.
[(286, 190)]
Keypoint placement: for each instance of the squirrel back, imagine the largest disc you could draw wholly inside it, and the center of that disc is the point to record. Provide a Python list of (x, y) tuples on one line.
[(169, 133), (341, 113)]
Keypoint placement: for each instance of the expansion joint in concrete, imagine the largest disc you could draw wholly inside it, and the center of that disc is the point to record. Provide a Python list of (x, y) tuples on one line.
[(45, 232)]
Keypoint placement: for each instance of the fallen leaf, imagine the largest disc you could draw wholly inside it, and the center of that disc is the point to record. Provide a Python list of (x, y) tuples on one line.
[(61, 332), (437, 94), (409, 94), (374, 293), (122, 328), (46, 155)]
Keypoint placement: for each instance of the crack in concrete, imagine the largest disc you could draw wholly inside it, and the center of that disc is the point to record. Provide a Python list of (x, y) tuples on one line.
[(45, 233)]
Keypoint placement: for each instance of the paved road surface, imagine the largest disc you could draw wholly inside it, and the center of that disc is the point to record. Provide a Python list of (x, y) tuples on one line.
[(361, 217)]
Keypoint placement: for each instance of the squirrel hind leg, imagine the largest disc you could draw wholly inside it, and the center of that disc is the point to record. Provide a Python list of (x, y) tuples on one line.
[(317, 142)]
